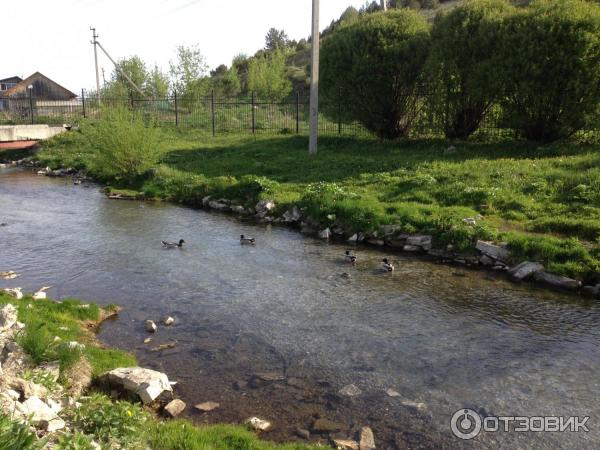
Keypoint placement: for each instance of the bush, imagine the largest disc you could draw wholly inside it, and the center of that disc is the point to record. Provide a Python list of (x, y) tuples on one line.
[(125, 146), (374, 64), (17, 436), (551, 68), (463, 64)]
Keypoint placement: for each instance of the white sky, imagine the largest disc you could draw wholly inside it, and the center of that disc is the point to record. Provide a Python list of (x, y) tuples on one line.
[(53, 37)]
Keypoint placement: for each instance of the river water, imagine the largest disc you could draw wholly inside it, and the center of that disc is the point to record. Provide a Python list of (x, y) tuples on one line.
[(284, 308)]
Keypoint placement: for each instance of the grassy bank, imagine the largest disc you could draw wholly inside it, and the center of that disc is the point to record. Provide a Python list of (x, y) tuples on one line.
[(543, 201), (120, 424)]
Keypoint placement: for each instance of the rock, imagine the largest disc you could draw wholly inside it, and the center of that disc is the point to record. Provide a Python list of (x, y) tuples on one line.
[(485, 260), (146, 383), (350, 390), (493, 251), (377, 242), (40, 414), (162, 347), (238, 209), (169, 321), (207, 406), (591, 291), (218, 205), (205, 200), (387, 230), (412, 248), (325, 426), (14, 292), (345, 444), (449, 151), (415, 405), (292, 215), (525, 270), (367, 439), (150, 326), (556, 281), (423, 241), (147, 340), (304, 434), (8, 317), (263, 378), (392, 393), (259, 424), (264, 207), (353, 239), (325, 234), (175, 407)]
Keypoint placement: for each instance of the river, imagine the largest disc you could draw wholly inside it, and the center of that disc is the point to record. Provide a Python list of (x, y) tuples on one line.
[(284, 307)]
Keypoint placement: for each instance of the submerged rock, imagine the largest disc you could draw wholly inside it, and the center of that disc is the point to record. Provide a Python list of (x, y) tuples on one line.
[(259, 424), (150, 326), (525, 270), (556, 281), (168, 321), (325, 234), (207, 406), (351, 390), (367, 439), (175, 407)]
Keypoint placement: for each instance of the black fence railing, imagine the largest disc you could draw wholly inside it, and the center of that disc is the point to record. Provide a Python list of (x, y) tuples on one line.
[(252, 115)]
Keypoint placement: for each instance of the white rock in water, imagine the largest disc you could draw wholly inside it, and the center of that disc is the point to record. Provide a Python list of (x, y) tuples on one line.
[(350, 390), (392, 393), (345, 444), (169, 321), (367, 439), (146, 383), (353, 239), (175, 407), (259, 424), (325, 234), (150, 326), (8, 317)]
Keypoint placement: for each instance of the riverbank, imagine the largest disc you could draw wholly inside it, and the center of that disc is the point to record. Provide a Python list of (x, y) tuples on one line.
[(540, 204), (51, 367)]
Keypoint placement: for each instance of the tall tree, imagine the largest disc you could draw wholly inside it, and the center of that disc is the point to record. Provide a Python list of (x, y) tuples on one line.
[(189, 67), (267, 76), (158, 83), (276, 40)]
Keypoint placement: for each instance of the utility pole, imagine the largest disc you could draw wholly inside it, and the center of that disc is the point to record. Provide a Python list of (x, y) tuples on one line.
[(95, 44), (123, 74), (384, 5), (314, 81)]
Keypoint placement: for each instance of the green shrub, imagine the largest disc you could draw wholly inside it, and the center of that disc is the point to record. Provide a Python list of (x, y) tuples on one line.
[(125, 146), (462, 64), (550, 55), (17, 436), (374, 65)]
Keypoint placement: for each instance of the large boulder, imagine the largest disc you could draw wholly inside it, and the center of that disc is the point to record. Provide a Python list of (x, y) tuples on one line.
[(556, 281), (8, 317), (40, 414), (423, 241), (292, 215), (493, 251), (525, 270), (264, 207), (146, 383)]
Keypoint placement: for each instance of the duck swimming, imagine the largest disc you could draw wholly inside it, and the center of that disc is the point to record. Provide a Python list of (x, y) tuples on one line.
[(387, 266), (247, 240), (350, 257), (179, 244)]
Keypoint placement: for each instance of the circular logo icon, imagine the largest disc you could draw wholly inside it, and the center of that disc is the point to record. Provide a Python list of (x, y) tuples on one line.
[(466, 424)]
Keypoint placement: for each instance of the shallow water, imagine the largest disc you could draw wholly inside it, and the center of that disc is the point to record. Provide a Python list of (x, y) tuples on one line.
[(283, 307)]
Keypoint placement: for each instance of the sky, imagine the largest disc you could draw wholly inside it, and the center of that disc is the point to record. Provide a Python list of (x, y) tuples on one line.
[(53, 36)]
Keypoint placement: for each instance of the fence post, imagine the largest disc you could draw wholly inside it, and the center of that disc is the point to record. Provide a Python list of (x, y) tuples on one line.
[(253, 115), (340, 111), (176, 108), (212, 109), (83, 102), (297, 112), (31, 104)]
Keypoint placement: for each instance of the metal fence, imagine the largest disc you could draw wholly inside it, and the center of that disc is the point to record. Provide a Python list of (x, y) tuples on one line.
[(247, 115)]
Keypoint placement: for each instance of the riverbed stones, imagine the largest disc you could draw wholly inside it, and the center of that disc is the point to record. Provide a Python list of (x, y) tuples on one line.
[(422, 241), (259, 424), (556, 281), (325, 234), (207, 406), (8, 317), (168, 321), (367, 439), (323, 425), (219, 205), (392, 393), (40, 414), (148, 384), (353, 239), (350, 390), (150, 326), (495, 252), (292, 215), (345, 444), (264, 207), (525, 270), (175, 407)]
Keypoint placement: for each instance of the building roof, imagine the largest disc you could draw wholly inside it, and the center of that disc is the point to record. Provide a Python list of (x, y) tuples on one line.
[(12, 80), (21, 87)]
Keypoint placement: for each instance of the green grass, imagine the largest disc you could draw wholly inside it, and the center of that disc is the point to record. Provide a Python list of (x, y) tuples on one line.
[(543, 201)]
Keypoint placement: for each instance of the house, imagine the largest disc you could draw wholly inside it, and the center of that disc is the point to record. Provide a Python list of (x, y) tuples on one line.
[(9, 83)]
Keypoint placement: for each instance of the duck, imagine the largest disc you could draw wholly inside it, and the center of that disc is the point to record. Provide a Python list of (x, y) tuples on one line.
[(350, 257), (387, 266), (167, 244), (10, 275), (15, 292), (246, 240), (41, 293)]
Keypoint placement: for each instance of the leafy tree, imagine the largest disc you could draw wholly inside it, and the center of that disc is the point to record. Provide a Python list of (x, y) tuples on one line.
[(240, 64), (267, 76), (157, 85), (551, 67), (118, 87), (276, 40), (463, 63), (226, 82), (187, 71), (375, 65)]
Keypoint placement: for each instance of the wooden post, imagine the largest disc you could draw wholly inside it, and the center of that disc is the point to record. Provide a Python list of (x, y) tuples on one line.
[(314, 81)]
